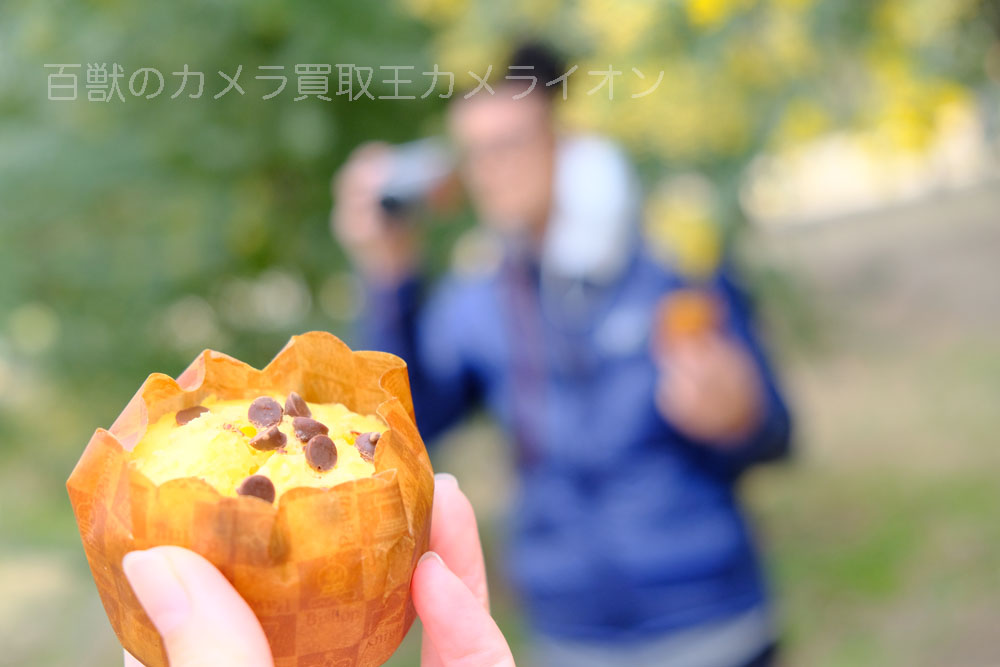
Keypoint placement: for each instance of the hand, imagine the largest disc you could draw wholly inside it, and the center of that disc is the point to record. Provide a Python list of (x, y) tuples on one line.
[(385, 251), (204, 621), (449, 589), (709, 389)]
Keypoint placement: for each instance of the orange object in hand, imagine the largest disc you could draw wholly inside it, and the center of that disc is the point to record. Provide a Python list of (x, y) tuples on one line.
[(684, 314)]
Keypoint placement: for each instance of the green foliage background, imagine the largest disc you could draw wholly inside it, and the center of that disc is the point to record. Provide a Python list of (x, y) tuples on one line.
[(134, 234)]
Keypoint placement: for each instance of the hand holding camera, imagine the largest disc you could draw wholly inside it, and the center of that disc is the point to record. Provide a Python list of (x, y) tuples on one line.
[(383, 247)]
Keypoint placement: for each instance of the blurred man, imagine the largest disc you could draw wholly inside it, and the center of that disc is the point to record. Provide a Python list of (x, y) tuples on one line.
[(627, 543)]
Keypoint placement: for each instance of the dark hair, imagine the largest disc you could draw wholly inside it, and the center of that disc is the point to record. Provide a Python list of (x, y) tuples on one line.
[(530, 59), (545, 63)]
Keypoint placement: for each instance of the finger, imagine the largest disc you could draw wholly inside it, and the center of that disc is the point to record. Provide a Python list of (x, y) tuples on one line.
[(687, 403), (684, 357), (428, 654), (455, 536), (461, 631), (677, 396), (360, 158), (705, 364), (200, 616)]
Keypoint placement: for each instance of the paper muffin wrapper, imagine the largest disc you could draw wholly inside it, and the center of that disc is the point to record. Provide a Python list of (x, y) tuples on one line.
[(326, 571)]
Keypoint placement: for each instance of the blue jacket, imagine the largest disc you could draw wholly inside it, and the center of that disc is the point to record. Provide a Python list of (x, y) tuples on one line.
[(622, 527)]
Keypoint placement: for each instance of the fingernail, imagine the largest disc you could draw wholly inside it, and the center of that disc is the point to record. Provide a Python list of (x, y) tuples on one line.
[(159, 590), (430, 554), (445, 478)]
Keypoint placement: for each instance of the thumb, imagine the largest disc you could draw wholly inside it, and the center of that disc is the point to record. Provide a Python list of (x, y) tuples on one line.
[(201, 617), (461, 631)]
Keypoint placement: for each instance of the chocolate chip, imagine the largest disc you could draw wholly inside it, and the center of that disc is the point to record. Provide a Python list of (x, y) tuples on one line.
[(366, 444), (187, 414), (259, 486), (272, 438), (321, 453), (296, 406), (264, 412), (306, 428)]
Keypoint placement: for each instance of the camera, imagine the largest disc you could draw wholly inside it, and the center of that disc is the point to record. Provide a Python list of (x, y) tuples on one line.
[(419, 177)]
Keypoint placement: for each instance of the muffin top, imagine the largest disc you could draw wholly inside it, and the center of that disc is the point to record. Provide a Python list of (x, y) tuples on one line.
[(260, 447)]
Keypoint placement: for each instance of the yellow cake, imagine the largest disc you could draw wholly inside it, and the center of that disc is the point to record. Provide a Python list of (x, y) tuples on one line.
[(260, 447)]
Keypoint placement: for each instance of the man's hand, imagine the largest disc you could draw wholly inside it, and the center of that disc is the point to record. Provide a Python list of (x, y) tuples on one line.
[(204, 621), (384, 251), (709, 388)]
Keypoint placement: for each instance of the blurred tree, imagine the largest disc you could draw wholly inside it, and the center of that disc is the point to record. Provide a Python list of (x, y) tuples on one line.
[(739, 76)]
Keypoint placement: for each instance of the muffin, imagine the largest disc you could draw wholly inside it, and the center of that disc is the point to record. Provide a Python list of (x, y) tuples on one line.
[(306, 483)]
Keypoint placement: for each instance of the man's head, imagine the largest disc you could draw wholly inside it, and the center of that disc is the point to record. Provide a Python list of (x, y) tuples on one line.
[(508, 145)]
